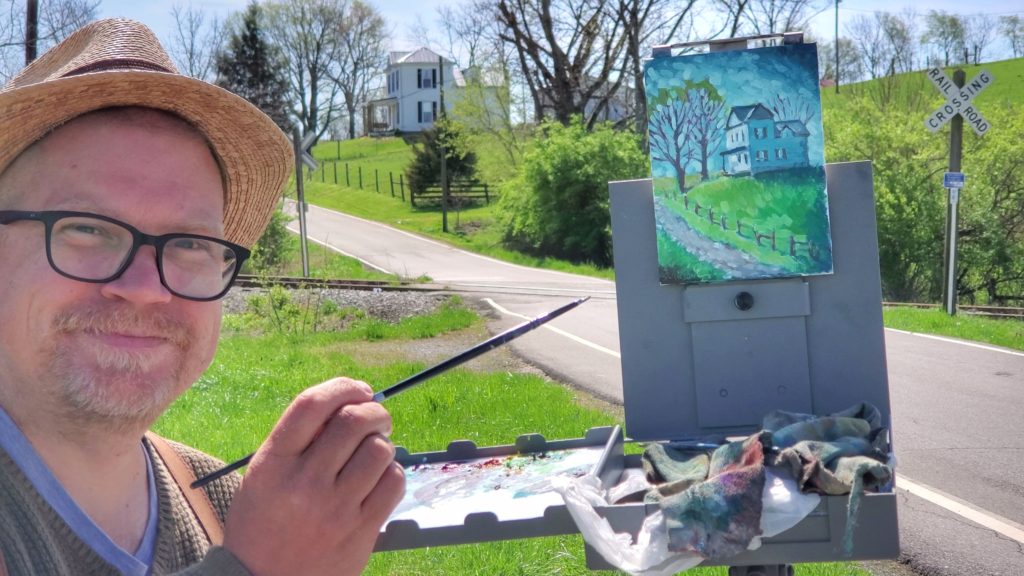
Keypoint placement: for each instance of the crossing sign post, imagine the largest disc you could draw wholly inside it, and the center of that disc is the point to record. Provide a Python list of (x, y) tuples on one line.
[(301, 146), (959, 106)]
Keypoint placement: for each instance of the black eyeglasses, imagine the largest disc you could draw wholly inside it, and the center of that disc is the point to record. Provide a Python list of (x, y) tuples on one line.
[(94, 248)]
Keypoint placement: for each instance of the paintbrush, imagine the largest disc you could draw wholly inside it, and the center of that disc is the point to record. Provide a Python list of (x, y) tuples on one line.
[(461, 358)]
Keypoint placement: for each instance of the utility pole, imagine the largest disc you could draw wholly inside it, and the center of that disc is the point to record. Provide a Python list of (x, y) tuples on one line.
[(442, 135), (837, 46), (31, 30)]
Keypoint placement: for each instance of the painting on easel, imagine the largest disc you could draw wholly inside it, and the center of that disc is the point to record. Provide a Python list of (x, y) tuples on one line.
[(737, 158)]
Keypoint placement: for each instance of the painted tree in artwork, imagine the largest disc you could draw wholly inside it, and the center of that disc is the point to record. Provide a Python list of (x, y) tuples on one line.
[(708, 126), (671, 122)]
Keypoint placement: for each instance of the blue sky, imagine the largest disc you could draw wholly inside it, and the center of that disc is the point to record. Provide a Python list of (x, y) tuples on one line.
[(401, 14)]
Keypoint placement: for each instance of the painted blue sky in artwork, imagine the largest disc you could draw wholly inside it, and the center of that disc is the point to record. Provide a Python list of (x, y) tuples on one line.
[(747, 77)]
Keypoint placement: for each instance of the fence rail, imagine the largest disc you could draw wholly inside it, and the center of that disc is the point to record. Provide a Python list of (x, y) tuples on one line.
[(458, 191)]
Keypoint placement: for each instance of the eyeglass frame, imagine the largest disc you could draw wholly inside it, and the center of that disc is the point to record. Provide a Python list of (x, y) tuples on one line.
[(139, 238)]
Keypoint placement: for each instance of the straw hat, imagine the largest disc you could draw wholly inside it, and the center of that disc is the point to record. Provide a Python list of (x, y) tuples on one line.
[(120, 62)]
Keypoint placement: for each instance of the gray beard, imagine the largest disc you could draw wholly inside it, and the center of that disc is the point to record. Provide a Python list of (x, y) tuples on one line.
[(118, 393)]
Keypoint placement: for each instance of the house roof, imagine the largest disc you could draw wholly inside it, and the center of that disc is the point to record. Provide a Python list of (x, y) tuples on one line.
[(796, 126), (421, 55), (747, 113)]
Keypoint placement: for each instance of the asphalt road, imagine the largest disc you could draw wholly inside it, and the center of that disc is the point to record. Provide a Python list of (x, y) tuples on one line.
[(958, 427)]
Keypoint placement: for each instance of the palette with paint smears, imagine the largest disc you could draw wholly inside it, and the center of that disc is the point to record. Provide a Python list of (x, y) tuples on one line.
[(468, 494)]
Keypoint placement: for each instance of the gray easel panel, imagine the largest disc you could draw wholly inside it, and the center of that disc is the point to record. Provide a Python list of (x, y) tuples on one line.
[(695, 365)]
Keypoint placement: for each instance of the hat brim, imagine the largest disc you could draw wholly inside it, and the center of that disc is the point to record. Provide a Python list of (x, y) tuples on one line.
[(254, 154)]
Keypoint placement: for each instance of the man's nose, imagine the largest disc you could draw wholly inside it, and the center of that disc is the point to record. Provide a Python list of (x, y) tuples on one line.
[(140, 282)]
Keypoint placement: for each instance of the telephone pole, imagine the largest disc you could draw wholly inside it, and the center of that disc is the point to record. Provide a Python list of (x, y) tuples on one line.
[(31, 30)]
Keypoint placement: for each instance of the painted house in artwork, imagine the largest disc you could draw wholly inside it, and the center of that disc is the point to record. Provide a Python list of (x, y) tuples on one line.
[(756, 142)]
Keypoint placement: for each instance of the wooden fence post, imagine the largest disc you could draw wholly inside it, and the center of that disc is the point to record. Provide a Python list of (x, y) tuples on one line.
[(335, 172), (391, 177), (401, 185), (347, 182), (360, 169), (376, 179)]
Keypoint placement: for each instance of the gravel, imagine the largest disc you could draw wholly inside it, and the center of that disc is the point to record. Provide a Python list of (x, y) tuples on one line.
[(388, 305)]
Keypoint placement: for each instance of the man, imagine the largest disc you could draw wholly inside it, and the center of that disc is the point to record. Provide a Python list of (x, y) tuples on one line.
[(129, 195)]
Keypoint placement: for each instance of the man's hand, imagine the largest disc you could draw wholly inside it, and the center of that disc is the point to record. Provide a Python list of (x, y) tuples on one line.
[(320, 487)]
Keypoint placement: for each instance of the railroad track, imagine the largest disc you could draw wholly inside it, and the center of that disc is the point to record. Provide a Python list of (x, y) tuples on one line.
[(249, 281), (989, 311)]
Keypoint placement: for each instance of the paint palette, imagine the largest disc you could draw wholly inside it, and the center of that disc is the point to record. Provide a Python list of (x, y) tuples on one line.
[(468, 494), (514, 487)]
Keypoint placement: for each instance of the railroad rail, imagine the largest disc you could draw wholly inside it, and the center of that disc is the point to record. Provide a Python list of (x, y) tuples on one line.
[(250, 281), (989, 311)]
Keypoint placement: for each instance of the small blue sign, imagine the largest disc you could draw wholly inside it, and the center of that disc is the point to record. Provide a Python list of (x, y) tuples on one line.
[(953, 180)]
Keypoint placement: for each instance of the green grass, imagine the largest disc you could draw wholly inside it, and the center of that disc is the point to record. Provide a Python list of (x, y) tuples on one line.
[(788, 204), (326, 263), (1000, 332), (253, 378), (473, 227)]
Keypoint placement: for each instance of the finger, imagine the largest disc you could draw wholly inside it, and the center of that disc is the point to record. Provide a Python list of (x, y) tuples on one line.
[(304, 418), (385, 496), (364, 469), (343, 433)]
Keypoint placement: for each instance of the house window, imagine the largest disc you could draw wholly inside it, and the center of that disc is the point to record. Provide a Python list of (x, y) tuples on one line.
[(746, 159), (426, 111), (762, 155), (426, 77), (781, 154)]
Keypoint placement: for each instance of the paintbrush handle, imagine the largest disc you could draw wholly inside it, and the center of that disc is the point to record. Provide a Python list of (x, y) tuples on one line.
[(461, 358)]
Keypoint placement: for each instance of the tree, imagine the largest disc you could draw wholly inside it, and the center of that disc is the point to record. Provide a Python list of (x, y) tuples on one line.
[(979, 30), (195, 42), (1012, 27), (361, 38), (306, 32), (851, 65), (425, 169), (706, 106), (767, 16), (57, 20), (671, 131), (945, 32), (252, 68), (568, 51), (869, 39), (900, 35), (643, 20)]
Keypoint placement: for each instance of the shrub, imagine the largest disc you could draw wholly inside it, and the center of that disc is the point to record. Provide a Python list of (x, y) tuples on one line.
[(558, 205), (271, 249)]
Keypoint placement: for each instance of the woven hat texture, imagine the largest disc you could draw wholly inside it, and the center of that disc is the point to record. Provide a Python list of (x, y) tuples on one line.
[(119, 62)]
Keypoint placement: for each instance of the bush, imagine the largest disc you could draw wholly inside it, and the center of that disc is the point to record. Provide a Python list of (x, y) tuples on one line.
[(271, 249), (558, 205)]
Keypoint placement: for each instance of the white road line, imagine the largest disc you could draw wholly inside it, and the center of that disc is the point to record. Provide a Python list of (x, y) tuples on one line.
[(961, 342), (558, 331), (989, 520), (343, 253)]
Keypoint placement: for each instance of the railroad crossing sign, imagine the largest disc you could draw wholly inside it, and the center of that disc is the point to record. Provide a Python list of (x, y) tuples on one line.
[(304, 156), (958, 101)]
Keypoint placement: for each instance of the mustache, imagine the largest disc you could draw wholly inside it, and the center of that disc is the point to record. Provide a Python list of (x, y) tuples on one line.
[(115, 320)]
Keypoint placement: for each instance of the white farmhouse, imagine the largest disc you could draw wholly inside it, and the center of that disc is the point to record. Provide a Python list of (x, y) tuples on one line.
[(412, 94)]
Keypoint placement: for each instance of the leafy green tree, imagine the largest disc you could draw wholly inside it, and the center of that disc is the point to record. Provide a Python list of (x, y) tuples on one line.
[(425, 168), (558, 205), (253, 68)]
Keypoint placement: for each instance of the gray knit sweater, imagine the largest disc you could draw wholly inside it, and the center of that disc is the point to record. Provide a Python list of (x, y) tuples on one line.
[(35, 540)]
